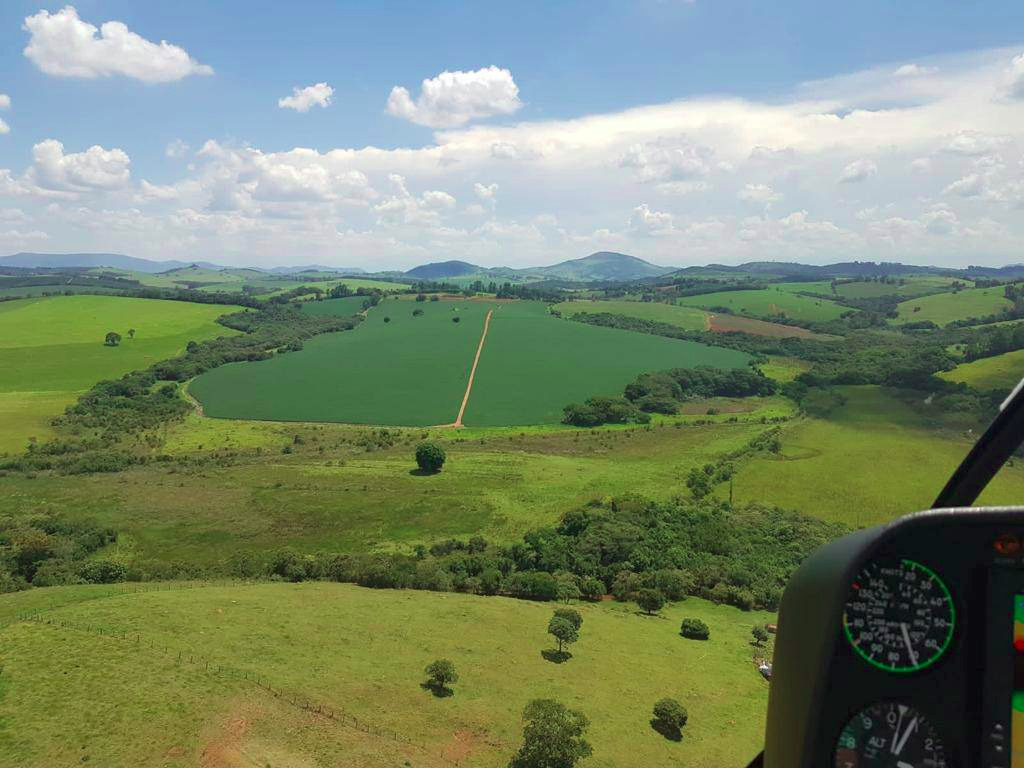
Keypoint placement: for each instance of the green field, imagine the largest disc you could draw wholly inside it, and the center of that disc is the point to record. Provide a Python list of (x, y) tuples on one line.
[(350, 305), (944, 308), (413, 371), (769, 302), (52, 348), (723, 323), (913, 285), (361, 652), (683, 317), (1001, 372)]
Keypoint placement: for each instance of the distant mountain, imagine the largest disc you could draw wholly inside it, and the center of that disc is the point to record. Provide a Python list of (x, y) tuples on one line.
[(112, 260), (797, 271), (603, 265), (441, 269), (315, 268)]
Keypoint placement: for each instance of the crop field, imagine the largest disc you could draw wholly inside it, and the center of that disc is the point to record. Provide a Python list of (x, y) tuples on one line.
[(769, 302), (944, 308), (52, 348), (350, 305), (688, 318), (361, 652), (912, 285), (400, 369), (722, 323), (846, 447), (1001, 372)]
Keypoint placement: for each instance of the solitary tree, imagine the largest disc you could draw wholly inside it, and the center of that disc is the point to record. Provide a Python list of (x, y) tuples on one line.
[(694, 629), (564, 632), (669, 718), (760, 634), (571, 615), (552, 736), (387, 319), (650, 600), (430, 457), (456, 319), (417, 312), (440, 676), (131, 333), (112, 339)]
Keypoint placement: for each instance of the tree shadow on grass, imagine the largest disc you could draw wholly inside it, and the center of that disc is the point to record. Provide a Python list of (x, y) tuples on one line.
[(556, 657), (423, 472), (440, 691), (667, 730)]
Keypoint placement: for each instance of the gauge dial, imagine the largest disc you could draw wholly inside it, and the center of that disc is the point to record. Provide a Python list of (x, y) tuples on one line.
[(899, 616), (889, 735)]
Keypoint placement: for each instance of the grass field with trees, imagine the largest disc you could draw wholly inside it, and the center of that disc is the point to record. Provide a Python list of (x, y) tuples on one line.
[(768, 302), (943, 308), (1001, 372), (684, 317)]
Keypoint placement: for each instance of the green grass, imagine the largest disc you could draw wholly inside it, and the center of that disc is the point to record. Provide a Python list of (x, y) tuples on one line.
[(683, 317), (867, 462), (723, 323), (363, 651), (769, 302), (350, 305), (784, 369), (1001, 372), (413, 370), (944, 308), (52, 348), (913, 285)]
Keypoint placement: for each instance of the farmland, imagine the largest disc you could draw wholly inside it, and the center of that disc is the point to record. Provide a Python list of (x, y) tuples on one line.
[(363, 652), (1001, 372), (769, 302), (944, 308), (722, 323), (532, 365), (52, 348), (911, 285), (683, 317)]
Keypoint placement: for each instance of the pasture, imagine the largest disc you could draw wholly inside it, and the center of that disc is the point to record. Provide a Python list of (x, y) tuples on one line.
[(53, 348), (907, 286), (1001, 372), (723, 323), (771, 302), (73, 695), (943, 308), (687, 318), (400, 369)]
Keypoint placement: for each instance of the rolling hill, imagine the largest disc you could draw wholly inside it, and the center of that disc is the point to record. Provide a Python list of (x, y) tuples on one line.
[(603, 265)]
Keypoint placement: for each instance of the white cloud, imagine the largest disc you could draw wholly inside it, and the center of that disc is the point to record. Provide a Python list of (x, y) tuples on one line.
[(485, 192), (62, 44), (646, 222), (176, 149), (914, 70), (454, 98), (5, 101), (858, 171), (973, 143), (4, 128), (149, 191), (94, 169), (302, 99), (969, 186), (758, 193), (1015, 78)]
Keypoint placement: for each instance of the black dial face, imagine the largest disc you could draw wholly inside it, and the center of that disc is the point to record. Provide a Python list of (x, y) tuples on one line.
[(889, 735), (899, 616)]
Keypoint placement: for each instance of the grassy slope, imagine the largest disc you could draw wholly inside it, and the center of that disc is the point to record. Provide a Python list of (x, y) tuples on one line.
[(723, 323), (1000, 372), (52, 348), (533, 365), (134, 706), (912, 286), (878, 459), (413, 370), (943, 308), (683, 317), (350, 305), (768, 302)]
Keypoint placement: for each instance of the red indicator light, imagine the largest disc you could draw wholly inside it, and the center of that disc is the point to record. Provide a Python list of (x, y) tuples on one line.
[(1006, 545), (856, 585), (1018, 644)]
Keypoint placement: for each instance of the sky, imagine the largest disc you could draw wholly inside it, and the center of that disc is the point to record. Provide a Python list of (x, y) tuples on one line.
[(384, 135)]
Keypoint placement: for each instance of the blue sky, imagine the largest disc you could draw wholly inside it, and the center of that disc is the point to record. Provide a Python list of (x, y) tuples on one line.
[(570, 159)]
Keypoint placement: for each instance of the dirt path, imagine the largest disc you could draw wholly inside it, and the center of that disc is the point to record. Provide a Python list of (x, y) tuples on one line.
[(472, 371)]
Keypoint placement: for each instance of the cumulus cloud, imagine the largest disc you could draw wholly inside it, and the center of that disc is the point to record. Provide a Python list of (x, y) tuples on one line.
[(94, 169), (64, 45), (5, 103), (176, 149), (758, 193), (857, 171), (914, 70), (454, 98), (646, 222), (1015, 78), (302, 99), (972, 143)]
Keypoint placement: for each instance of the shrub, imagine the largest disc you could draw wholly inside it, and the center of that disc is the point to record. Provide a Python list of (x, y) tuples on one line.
[(102, 572), (669, 718), (694, 629), (430, 457), (456, 319), (650, 600)]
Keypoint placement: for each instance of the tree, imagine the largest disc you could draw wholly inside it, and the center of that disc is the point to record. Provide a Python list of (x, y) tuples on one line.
[(669, 718), (430, 457), (387, 319), (571, 615), (131, 333), (441, 675), (417, 312), (112, 339), (552, 736), (564, 632), (456, 319), (591, 588), (694, 629), (760, 634), (650, 600)]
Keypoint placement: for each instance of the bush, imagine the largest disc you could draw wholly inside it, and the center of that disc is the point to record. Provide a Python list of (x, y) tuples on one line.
[(102, 572), (650, 600), (694, 629), (669, 718), (430, 457), (591, 588), (456, 319)]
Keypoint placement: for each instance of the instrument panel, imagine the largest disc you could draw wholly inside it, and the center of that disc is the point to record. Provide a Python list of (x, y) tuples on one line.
[(907, 645)]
